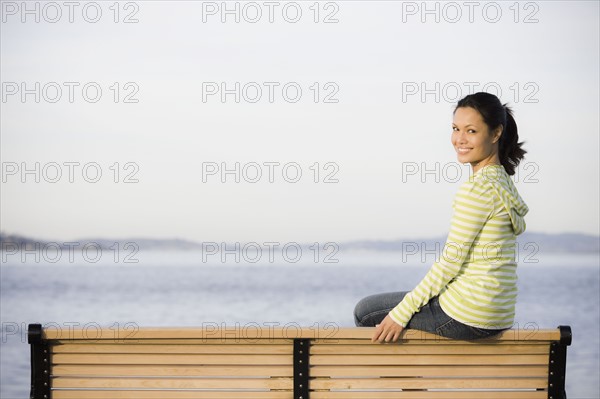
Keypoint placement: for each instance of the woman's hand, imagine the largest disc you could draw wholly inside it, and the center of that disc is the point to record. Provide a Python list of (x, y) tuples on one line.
[(387, 331)]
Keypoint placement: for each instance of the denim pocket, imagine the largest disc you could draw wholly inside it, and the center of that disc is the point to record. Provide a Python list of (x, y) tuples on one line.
[(479, 332), (484, 332), (451, 329), (457, 330)]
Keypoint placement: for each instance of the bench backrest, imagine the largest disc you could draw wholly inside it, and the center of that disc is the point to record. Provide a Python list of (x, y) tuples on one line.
[(270, 363)]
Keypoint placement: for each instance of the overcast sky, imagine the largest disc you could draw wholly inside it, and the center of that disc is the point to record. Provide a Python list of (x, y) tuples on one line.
[(357, 96)]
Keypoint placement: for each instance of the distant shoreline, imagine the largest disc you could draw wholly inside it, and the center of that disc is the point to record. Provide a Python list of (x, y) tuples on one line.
[(561, 242)]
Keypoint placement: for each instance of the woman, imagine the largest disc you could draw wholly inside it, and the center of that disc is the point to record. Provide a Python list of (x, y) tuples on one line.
[(470, 291)]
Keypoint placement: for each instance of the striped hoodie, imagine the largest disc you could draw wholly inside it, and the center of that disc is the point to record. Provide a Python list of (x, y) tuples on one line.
[(475, 275)]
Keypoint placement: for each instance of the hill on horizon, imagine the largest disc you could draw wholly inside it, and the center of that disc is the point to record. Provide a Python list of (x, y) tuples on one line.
[(547, 242)]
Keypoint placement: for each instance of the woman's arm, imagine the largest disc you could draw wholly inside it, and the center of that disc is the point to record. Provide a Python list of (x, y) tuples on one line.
[(473, 206)]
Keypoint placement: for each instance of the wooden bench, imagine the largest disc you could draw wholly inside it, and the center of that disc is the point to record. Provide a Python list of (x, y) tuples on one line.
[(293, 363)]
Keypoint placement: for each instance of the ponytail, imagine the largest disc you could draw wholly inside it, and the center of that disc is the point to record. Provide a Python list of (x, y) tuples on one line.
[(495, 114), (510, 151)]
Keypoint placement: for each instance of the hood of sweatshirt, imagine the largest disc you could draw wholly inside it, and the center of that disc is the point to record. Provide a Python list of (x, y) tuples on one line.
[(508, 194)]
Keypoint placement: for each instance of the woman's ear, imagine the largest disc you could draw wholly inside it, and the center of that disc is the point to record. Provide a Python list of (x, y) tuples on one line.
[(497, 133)]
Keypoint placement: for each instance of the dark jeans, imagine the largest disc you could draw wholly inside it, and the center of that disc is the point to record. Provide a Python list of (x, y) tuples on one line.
[(431, 318)]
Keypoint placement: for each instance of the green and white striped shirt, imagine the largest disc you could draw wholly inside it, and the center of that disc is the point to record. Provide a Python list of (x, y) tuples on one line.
[(475, 275)]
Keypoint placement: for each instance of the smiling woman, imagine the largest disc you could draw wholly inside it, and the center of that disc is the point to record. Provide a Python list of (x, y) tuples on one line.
[(485, 132), (471, 139), (470, 291)]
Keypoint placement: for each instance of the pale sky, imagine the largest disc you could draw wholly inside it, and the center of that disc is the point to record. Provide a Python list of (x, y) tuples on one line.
[(376, 135)]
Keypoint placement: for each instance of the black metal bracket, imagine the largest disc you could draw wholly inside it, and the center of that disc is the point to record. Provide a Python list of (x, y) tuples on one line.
[(301, 368), (557, 369), (40, 363)]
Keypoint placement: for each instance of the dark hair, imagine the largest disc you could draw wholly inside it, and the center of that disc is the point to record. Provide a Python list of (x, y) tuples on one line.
[(494, 113)]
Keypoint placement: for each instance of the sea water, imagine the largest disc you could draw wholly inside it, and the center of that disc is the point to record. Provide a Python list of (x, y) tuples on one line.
[(179, 288)]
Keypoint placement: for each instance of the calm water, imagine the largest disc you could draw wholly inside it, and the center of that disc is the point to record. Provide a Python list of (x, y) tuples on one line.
[(178, 289)]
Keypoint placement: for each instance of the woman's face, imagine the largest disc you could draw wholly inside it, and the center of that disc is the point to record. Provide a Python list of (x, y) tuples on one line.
[(472, 140)]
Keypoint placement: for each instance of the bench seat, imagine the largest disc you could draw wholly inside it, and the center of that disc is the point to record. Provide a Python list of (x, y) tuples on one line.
[(293, 363)]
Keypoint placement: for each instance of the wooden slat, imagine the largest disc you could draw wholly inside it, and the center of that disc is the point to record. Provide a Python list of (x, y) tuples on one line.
[(251, 334), (128, 370), (174, 383), (317, 371), (489, 349), (87, 394), (419, 349), (103, 358), (177, 341), (426, 342), (429, 371), (174, 349), (132, 394), (353, 342), (232, 333), (424, 383), (430, 395), (368, 360)]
